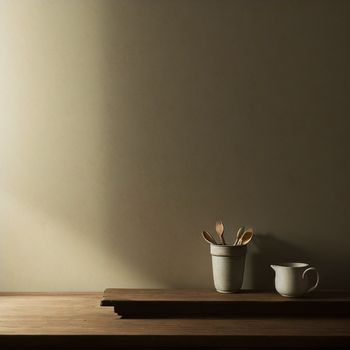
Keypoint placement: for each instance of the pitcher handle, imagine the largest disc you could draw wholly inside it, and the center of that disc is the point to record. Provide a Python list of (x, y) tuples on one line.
[(317, 280)]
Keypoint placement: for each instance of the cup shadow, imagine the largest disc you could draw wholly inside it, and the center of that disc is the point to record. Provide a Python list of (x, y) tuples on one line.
[(267, 249)]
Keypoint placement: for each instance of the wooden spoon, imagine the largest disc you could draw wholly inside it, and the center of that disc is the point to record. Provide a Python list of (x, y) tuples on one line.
[(208, 237), (239, 234), (246, 237), (219, 227)]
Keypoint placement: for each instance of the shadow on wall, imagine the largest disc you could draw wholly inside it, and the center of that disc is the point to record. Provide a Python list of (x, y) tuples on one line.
[(176, 78), (267, 249)]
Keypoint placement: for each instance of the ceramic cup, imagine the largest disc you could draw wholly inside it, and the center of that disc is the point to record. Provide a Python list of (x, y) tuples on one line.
[(228, 267), (292, 280)]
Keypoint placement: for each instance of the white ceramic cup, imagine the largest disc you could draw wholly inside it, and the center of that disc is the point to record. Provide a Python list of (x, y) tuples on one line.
[(292, 280), (228, 263)]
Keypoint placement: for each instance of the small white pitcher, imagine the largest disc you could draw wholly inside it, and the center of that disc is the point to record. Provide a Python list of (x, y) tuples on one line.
[(291, 279)]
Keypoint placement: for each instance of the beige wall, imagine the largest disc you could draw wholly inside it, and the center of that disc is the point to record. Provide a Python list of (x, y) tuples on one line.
[(127, 127)]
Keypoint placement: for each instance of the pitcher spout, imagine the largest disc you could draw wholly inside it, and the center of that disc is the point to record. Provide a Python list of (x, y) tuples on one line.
[(273, 267)]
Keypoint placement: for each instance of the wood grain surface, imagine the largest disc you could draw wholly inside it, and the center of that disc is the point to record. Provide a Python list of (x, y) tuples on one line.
[(152, 303), (42, 320), (212, 295)]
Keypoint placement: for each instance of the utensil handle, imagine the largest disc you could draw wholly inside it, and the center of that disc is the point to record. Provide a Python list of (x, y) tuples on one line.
[(317, 280)]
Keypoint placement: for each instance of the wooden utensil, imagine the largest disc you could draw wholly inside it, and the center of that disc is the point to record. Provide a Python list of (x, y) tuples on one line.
[(239, 234), (208, 237), (219, 227), (246, 237)]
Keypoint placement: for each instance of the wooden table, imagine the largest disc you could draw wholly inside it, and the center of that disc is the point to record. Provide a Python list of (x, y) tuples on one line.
[(76, 320)]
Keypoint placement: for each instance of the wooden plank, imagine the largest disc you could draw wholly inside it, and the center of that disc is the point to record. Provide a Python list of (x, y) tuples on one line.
[(62, 320), (212, 295), (151, 303)]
